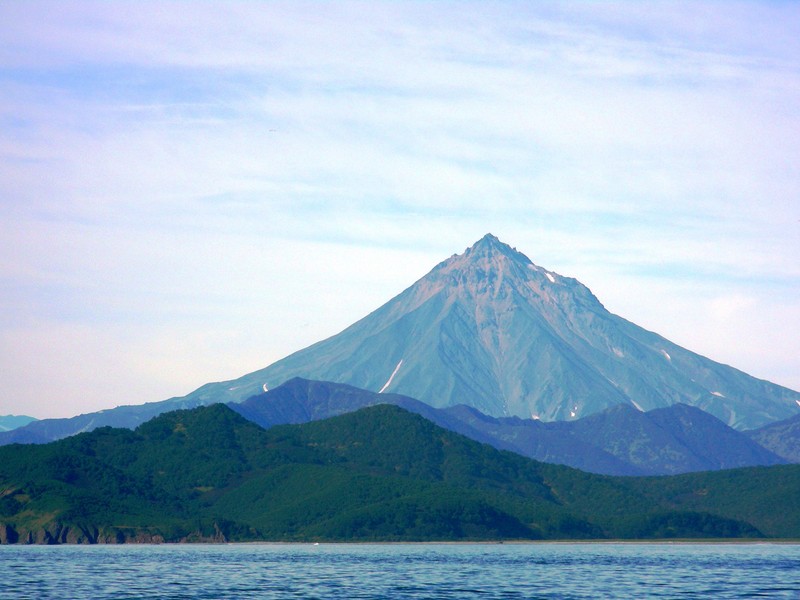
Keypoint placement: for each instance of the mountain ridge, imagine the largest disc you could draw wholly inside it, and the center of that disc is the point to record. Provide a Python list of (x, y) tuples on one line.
[(380, 473), (782, 438), (11, 422), (490, 329), (617, 441)]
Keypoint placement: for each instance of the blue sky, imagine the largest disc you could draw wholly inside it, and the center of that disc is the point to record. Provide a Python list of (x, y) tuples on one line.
[(190, 191)]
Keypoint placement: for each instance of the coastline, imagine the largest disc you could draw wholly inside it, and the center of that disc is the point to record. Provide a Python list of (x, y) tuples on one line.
[(664, 542)]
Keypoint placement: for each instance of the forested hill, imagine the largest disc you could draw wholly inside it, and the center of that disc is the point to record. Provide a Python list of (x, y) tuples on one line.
[(380, 473)]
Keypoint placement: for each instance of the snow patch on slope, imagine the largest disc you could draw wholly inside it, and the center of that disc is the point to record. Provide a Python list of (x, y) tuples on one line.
[(396, 369), (549, 276)]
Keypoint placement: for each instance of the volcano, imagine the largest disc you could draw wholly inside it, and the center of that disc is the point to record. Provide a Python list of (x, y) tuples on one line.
[(490, 329)]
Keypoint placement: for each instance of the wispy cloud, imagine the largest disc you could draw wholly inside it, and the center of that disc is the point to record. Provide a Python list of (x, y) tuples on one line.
[(197, 168)]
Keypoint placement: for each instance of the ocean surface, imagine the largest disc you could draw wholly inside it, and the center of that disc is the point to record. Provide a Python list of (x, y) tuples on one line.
[(402, 571)]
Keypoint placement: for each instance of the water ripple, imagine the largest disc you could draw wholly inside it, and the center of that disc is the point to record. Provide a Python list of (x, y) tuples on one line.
[(402, 571)]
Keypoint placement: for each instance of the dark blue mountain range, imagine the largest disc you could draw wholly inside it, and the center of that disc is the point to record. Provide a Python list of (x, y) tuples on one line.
[(618, 441)]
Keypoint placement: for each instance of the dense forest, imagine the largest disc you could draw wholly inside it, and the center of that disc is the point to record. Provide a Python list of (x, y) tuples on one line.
[(380, 473)]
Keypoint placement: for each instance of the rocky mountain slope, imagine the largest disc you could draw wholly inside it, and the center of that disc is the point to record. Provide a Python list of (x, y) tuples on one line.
[(491, 330), (671, 440)]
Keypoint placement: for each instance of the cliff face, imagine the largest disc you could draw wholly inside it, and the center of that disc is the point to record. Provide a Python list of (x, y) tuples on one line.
[(59, 533)]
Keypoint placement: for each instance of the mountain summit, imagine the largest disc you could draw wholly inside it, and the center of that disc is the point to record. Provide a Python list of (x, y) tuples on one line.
[(490, 329)]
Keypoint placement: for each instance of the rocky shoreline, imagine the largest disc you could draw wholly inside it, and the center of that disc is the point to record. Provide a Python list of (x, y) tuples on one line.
[(59, 533)]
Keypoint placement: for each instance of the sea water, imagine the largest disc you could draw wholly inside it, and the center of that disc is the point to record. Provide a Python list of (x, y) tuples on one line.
[(412, 571)]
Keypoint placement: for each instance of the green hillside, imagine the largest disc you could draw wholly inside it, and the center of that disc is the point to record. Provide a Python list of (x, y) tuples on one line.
[(381, 473)]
